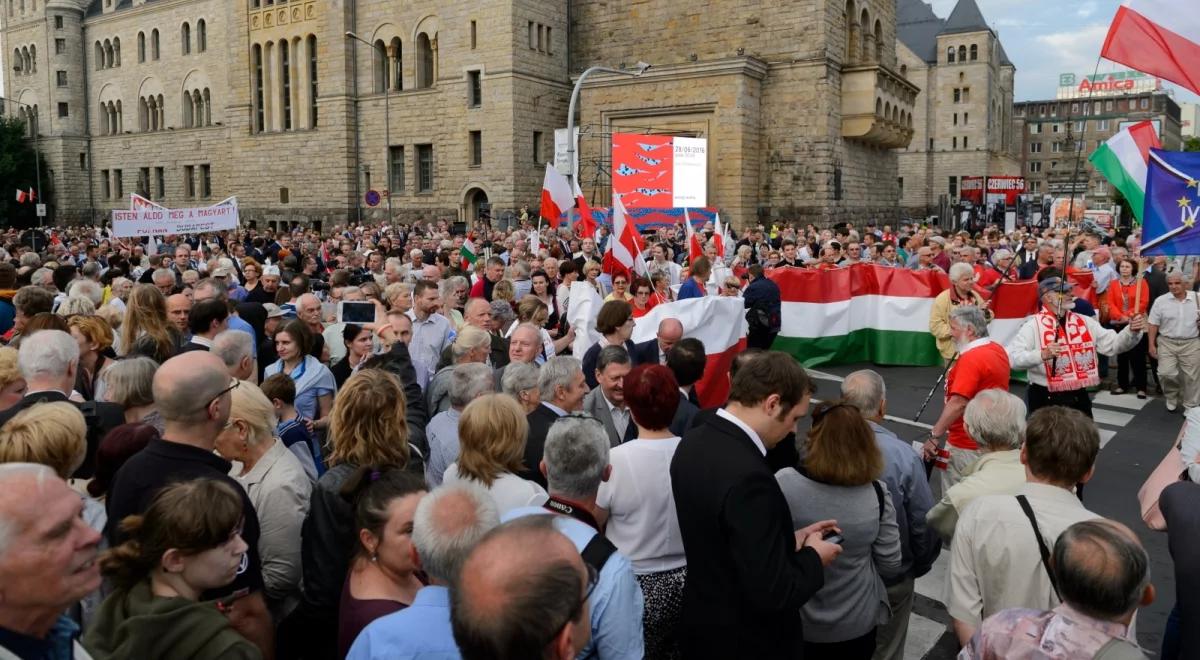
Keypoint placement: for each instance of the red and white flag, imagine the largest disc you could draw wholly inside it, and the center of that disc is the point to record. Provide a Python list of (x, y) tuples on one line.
[(22, 196), (694, 247), (587, 225), (32, 195), (625, 246), (719, 323), (556, 196), (1159, 37), (721, 236)]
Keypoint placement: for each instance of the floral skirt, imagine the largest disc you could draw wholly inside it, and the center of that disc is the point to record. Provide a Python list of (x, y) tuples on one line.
[(663, 595)]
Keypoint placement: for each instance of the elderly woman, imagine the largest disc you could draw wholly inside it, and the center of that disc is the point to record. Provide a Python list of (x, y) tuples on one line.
[(315, 384), (95, 339), (453, 291), (839, 480), (12, 382), (277, 486), (615, 323), (961, 292), (368, 433), (641, 507), (503, 316), (995, 420), (472, 345), (591, 275), (620, 288), (491, 437), (398, 295), (520, 381), (128, 383)]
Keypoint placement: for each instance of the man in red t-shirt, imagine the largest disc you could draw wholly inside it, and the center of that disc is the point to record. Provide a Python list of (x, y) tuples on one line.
[(982, 364)]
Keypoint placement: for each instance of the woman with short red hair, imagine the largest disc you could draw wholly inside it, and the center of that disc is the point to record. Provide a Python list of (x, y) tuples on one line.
[(641, 507)]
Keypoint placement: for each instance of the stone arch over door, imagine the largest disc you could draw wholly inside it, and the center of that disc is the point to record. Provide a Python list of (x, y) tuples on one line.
[(474, 201)]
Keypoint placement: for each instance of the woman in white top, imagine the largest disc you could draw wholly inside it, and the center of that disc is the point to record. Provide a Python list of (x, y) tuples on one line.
[(491, 439), (642, 522)]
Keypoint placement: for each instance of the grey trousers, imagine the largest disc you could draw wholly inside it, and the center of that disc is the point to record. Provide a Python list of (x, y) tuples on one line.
[(890, 638), (1179, 370)]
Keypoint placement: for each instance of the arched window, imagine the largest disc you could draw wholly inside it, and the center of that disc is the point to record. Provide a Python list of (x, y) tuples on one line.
[(950, 55), (154, 44), (425, 62), (162, 113), (98, 56), (312, 80), (207, 107), (187, 109), (120, 118), (197, 109), (143, 115), (185, 38), (878, 107), (395, 64), (108, 54), (141, 46), (974, 52), (285, 60), (379, 66), (116, 51), (33, 59), (865, 31), (201, 36), (851, 42), (878, 32), (904, 70), (256, 62), (962, 53), (103, 119)]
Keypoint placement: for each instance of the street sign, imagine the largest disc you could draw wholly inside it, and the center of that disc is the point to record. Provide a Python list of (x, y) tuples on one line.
[(372, 197), (41, 210)]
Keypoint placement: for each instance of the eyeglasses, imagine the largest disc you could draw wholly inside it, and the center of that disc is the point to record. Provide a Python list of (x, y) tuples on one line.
[(223, 392), (593, 579)]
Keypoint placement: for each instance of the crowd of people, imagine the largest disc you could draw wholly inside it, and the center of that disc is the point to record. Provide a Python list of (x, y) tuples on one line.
[(202, 457)]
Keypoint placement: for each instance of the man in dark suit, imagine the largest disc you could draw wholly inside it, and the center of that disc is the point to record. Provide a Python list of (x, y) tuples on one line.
[(763, 308), (49, 361), (607, 402), (687, 360), (654, 351), (562, 388), (207, 319), (749, 571)]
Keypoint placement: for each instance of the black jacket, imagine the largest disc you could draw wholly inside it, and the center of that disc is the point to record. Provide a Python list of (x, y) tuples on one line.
[(399, 363), (101, 417), (646, 353), (762, 300), (746, 581), (535, 443), (589, 361)]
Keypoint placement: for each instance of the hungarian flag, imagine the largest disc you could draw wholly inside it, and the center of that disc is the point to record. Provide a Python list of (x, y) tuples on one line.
[(1159, 37), (624, 253), (467, 252), (556, 196), (1123, 161)]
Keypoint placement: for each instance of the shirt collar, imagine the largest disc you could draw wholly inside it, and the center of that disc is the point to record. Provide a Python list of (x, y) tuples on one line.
[(432, 595), (982, 341), (725, 414), (264, 464), (1046, 491), (557, 411), (1110, 628), (202, 341), (612, 406)]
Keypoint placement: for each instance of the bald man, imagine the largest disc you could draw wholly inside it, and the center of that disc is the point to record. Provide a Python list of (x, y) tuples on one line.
[(478, 312), (654, 351), (522, 593), (192, 393), (179, 307), (524, 345)]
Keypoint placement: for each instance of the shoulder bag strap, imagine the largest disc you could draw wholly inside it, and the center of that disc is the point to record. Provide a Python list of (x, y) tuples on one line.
[(879, 496), (1045, 552)]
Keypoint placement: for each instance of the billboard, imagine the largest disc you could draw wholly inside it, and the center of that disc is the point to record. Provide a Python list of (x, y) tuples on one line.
[(659, 170), (1117, 83), (1005, 189), (971, 189)]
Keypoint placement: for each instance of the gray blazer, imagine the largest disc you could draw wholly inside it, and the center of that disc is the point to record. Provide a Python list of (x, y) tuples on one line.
[(595, 405), (853, 599)]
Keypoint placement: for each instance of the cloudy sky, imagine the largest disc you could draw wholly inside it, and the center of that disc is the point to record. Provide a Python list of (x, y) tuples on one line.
[(1044, 38)]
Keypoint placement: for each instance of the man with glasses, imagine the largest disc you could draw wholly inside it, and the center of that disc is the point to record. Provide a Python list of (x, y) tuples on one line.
[(192, 393), (574, 464)]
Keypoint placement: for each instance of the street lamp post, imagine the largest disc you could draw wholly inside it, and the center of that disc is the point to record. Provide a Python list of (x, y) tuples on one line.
[(387, 120), (638, 70), (37, 159)]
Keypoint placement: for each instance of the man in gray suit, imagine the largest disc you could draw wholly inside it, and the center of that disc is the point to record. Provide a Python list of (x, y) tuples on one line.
[(607, 402)]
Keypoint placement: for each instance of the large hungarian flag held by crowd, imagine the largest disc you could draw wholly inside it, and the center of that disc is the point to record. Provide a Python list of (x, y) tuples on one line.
[(1159, 37), (1123, 161)]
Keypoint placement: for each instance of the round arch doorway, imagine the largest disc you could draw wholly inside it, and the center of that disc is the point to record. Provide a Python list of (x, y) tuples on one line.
[(477, 206)]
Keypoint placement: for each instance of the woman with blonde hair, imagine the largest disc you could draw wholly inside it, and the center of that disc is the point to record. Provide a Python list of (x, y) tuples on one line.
[(146, 329), (186, 543), (12, 381), (278, 487), (95, 339), (398, 295), (368, 435), (839, 480), (491, 437), (72, 305)]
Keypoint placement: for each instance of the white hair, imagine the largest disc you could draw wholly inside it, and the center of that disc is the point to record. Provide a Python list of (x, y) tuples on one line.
[(469, 381), (557, 372), (996, 419), (444, 536), (518, 377), (47, 353), (76, 305), (576, 454), (959, 269), (864, 390), (232, 346)]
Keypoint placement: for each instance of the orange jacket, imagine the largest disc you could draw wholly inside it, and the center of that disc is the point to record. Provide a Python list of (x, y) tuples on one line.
[(1121, 298)]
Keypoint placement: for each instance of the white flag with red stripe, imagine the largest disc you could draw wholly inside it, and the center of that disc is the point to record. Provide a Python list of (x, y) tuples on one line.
[(625, 247), (556, 196), (719, 323), (694, 248)]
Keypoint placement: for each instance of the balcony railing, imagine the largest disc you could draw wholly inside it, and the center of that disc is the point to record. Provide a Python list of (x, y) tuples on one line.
[(877, 106)]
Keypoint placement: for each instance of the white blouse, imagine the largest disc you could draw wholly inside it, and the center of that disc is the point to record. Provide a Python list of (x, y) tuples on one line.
[(642, 521), (508, 490)]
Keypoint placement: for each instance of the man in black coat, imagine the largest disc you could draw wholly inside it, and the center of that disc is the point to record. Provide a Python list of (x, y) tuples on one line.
[(763, 309), (749, 571), (562, 388), (49, 361), (654, 351)]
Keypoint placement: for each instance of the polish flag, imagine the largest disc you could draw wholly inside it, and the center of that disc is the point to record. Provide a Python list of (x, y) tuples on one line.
[(1139, 37), (587, 224), (22, 196), (694, 248), (624, 253), (32, 195), (718, 238), (556, 196)]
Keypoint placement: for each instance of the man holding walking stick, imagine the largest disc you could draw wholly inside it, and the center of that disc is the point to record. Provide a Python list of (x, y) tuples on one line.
[(981, 364)]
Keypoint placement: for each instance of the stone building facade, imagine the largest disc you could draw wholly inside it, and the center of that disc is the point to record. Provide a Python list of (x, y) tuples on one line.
[(963, 117), (1058, 132), (800, 102), (191, 101)]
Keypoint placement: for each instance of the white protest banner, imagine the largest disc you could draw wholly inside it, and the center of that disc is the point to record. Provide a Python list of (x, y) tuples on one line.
[(160, 221)]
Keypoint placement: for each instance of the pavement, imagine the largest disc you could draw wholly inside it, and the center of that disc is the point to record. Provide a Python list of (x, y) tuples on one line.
[(1134, 436)]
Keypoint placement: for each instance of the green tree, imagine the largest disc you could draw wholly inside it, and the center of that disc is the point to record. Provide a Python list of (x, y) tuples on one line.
[(18, 171), (1191, 144)]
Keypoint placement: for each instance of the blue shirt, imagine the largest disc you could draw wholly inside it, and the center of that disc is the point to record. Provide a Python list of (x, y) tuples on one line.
[(690, 289), (904, 474), (442, 433), (421, 630), (616, 602), (238, 323)]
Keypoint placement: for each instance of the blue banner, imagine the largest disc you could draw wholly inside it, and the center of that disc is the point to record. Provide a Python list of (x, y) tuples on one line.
[(1172, 204)]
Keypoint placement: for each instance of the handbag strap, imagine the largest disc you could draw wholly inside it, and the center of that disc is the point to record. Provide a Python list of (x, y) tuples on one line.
[(1045, 551)]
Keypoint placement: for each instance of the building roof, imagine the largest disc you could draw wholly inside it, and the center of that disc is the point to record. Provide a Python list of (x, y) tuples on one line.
[(918, 27), (96, 7)]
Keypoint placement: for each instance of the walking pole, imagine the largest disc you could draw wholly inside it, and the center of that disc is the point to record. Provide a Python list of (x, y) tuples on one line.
[(929, 463)]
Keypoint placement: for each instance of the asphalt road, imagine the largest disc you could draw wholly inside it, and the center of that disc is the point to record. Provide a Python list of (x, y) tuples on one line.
[(1134, 434)]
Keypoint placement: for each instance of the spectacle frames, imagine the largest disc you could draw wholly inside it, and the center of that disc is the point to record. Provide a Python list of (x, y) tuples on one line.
[(593, 579), (223, 392)]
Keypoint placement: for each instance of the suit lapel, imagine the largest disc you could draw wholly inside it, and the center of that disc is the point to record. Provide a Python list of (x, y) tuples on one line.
[(738, 436), (600, 412)]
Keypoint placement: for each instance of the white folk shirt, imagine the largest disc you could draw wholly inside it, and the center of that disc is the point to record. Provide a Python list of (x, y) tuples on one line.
[(1025, 348), (1175, 318)]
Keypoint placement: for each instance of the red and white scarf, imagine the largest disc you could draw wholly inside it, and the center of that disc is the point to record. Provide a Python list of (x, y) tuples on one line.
[(1076, 367)]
